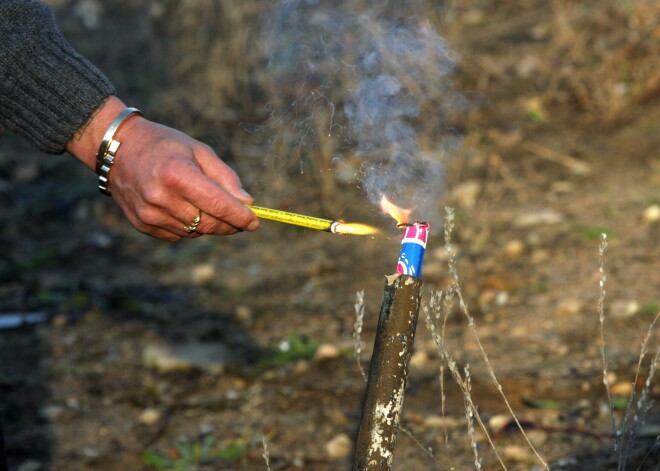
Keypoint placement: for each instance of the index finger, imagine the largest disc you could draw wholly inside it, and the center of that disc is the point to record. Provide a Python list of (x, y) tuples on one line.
[(214, 200), (217, 170)]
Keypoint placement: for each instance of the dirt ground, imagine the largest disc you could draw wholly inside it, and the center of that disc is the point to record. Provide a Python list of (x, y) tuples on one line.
[(151, 355)]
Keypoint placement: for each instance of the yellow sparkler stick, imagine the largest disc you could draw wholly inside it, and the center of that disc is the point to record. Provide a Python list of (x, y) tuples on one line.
[(319, 224), (292, 218)]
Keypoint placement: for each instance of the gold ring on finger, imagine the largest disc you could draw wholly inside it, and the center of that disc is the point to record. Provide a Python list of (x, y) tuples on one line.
[(194, 224)]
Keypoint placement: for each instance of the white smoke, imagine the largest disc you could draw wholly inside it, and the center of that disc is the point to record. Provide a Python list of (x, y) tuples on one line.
[(383, 71)]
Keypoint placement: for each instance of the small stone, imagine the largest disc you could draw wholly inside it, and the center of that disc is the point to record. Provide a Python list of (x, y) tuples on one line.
[(419, 359), (622, 389), (513, 248), (474, 17), (651, 214), (89, 452), (59, 321), (439, 421), (150, 416), (542, 217), (501, 298), (434, 269), (337, 417), (516, 453), (30, 465), (26, 173), (528, 65), (566, 462), (339, 446), (73, 403), (569, 307), (164, 357), (562, 187), (244, 313), (612, 377), (498, 421), (159, 357), (440, 253), (327, 351), (537, 437), (507, 140), (622, 308), (51, 412), (519, 331), (486, 298), (203, 273), (465, 194), (100, 239), (301, 367), (539, 256)]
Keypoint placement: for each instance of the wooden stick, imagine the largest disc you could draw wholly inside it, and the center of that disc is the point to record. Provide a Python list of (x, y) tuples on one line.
[(388, 372)]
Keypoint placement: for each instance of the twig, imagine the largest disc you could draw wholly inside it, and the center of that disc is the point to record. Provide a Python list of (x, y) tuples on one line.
[(574, 165), (420, 445)]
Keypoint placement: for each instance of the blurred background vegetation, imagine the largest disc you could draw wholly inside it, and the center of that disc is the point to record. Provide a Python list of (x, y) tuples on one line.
[(204, 66)]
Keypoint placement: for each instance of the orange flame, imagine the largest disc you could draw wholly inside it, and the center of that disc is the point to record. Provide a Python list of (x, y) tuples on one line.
[(354, 229), (400, 215)]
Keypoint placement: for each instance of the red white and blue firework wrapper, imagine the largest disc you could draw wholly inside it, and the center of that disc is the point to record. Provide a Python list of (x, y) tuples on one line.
[(413, 246)]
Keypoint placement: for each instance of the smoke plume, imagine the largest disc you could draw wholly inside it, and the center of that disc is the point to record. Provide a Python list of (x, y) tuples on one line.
[(382, 72)]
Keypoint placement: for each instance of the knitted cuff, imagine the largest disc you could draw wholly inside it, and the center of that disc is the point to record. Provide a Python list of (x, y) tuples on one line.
[(47, 90)]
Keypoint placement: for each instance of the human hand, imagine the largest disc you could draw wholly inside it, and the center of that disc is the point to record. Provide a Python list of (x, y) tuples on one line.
[(161, 178)]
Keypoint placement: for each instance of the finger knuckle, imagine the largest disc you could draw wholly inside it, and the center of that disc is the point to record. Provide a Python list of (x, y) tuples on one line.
[(203, 147), (148, 216), (153, 194), (219, 204), (171, 173)]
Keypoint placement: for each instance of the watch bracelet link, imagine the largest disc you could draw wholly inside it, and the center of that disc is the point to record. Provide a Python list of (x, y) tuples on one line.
[(105, 157)]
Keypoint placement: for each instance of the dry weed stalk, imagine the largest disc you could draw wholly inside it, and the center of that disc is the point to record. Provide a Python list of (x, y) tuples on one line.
[(638, 408), (266, 454), (469, 416), (463, 383), (602, 249), (441, 304)]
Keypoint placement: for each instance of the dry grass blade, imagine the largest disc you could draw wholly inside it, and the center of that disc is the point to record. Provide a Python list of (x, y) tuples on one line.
[(449, 225), (602, 249)]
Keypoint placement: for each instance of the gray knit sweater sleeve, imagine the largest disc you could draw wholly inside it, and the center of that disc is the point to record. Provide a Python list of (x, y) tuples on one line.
[(47, 90)]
